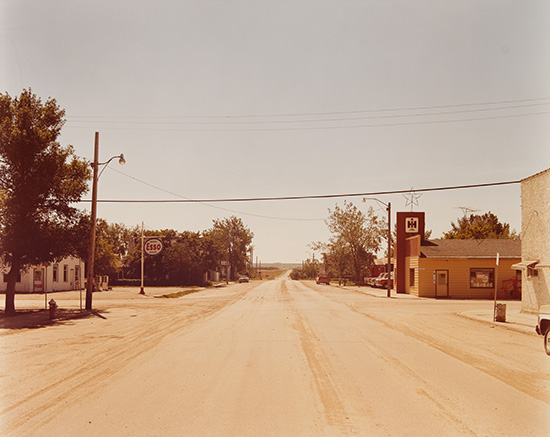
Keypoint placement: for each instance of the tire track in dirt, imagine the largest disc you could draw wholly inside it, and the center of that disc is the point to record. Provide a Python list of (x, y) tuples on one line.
[(327, 389), (105, 360)]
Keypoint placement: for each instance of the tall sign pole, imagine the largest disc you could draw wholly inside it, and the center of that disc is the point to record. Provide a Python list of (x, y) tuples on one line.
[(142, 290)]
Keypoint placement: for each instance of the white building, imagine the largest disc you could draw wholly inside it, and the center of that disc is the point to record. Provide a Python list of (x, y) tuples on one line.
[(535, 241), (62, 276)]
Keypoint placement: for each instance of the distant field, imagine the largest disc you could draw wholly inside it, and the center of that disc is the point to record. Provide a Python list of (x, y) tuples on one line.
[(272, 274)]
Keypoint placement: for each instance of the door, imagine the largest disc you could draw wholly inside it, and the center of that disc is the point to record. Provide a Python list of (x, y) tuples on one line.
[(441, 283), (38, 280)]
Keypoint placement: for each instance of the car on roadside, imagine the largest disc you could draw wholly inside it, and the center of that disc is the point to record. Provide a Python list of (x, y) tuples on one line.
[(371, 280), (543, 326), (323, 279), (382, 280), (244, 279)]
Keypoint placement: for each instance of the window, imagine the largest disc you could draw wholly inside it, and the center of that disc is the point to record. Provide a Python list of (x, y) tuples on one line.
[(411, 277), (56, 273), (65, 273), (482, 278)]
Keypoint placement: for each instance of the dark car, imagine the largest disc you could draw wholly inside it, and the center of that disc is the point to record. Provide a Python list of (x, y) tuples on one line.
[(543, 326), (323, 279)]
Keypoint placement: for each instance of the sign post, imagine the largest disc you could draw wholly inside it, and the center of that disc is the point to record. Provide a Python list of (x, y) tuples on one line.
[(153, 246), (496, 290)]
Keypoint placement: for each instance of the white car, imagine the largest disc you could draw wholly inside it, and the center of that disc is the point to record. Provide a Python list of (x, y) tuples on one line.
[(543, 326)]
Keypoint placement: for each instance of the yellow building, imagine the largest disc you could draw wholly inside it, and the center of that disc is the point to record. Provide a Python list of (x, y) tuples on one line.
[(465, 269)]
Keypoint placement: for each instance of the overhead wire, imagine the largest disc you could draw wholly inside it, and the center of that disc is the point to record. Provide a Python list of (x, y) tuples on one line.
[(153, 125), (211, 206), (306, 197), (298, 114)]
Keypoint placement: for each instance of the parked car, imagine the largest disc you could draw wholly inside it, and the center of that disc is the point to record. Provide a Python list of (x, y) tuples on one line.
[(243, 279), (382, 280), (323, 279), (371, 280), (543, 326)]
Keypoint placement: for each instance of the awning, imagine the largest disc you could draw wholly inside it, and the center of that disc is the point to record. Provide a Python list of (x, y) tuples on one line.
[(524, 265)]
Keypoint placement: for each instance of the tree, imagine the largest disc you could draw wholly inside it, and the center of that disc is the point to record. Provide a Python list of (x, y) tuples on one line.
[(39, 180), (479, 227), (357, 233), (235, 239)]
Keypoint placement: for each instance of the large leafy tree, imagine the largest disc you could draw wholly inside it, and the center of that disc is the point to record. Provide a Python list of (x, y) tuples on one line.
[(39, 180), (355, 233), (479, 227), (235, 239)]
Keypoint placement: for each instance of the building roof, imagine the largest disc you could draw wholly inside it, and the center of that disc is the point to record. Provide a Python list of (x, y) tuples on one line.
[(536, 175), (471, 248)]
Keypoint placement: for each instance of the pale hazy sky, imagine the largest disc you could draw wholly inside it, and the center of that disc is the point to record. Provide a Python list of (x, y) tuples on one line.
[(224, 99)]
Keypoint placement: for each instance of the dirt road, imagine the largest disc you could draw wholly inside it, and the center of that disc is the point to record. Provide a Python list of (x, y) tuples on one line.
[(273, 358)]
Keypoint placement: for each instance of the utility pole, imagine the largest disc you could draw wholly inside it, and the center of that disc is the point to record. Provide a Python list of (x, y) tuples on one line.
[(388, 265), (389, 249), (91, 251)]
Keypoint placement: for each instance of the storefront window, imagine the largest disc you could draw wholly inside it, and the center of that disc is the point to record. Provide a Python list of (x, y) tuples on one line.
[(482, 278)]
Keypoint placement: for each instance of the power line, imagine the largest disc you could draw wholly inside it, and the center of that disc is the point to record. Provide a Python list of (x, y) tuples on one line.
[(215, 206), (321, 196), (376, 117), (416, 108), (357, 126)]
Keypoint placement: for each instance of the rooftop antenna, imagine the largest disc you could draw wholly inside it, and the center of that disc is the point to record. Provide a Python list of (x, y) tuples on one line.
[(466, 211)]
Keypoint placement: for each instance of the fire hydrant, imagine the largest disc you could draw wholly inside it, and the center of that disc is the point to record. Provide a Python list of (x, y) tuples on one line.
[(53, 306)]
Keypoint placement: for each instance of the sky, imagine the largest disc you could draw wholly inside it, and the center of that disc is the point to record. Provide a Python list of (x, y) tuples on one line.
[(245, 99)]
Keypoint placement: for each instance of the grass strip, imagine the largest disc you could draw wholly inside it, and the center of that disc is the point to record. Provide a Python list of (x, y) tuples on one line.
[(178, 293)]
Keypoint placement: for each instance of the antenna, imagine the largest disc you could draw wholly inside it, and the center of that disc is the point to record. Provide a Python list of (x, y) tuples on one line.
[(466, 211)]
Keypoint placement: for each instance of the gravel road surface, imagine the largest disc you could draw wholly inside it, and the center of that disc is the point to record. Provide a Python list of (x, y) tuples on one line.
[(271, 358)]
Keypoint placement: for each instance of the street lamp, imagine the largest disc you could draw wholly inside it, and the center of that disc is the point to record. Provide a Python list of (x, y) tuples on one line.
[(388, 268), (91, 251)]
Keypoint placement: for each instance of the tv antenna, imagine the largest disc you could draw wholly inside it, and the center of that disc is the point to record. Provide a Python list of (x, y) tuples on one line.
[(466, 211)]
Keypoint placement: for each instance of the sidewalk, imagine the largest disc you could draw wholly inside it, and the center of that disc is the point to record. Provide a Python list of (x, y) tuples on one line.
[(515, 319)]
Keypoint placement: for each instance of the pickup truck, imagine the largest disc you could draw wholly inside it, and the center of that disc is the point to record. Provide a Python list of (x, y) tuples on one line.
[(323, 279), (543, 326)]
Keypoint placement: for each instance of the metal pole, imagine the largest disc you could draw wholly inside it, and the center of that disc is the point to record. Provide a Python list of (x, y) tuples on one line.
[(91, 251), (496, 289), (389, 249), (142, 290)]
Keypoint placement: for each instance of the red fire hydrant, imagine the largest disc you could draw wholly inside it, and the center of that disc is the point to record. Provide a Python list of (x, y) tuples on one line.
[(53, 306)]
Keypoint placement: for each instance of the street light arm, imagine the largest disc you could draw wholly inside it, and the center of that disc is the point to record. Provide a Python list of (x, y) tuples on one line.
[(374, 198), (121, 161)]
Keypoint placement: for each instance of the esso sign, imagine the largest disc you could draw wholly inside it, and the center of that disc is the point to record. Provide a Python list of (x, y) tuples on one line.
[(153, 246)]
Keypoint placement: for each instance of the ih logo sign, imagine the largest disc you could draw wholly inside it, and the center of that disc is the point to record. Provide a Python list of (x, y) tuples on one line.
[(411, 225)]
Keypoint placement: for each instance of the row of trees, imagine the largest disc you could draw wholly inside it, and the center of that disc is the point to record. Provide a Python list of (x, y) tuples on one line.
[(357, 237), (40, 180), (185, 258)]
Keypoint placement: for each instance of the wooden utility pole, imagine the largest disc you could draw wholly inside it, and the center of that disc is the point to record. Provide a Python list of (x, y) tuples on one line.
[(91, 251)]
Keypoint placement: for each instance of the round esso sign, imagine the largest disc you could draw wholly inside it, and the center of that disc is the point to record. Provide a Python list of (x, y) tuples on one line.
[(153, 246)]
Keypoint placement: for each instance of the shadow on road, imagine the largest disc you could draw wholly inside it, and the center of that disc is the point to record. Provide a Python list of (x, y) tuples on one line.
[(31, 319)]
